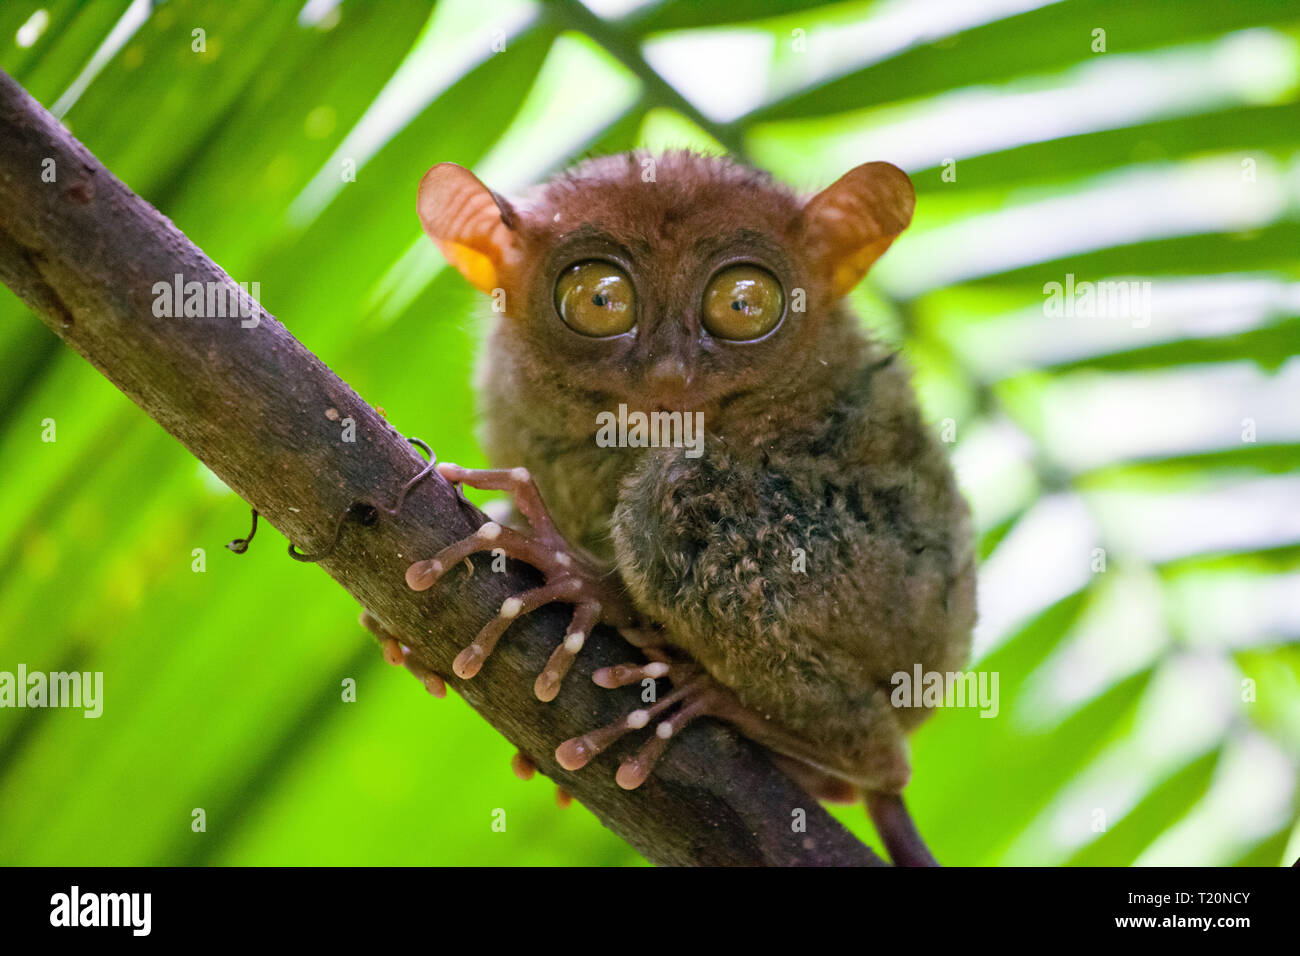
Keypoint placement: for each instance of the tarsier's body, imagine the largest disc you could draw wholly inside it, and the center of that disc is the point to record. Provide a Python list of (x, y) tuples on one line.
[(818, 545)]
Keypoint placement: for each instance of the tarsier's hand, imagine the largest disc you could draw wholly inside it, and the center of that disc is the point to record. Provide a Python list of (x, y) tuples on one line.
[(694, 694), (570, 577)]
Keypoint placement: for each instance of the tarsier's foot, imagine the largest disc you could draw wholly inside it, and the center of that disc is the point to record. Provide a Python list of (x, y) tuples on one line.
[(694, 694), (577, 752), (399, 655), (570, 577)]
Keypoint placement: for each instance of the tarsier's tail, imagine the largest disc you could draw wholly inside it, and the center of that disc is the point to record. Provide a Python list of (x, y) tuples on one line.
[(896, 829)]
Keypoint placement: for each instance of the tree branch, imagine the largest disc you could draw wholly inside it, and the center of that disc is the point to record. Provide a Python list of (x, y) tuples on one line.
[(264, 414)]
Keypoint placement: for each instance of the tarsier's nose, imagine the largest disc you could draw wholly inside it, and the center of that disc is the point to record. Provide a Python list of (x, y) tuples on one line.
[(668, 381)]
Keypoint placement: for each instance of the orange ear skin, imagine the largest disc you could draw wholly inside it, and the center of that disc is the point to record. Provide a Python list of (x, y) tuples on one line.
[(855, 219), (469, 224)]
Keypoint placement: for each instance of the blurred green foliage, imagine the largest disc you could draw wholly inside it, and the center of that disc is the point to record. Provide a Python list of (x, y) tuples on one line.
[(1125, 732)]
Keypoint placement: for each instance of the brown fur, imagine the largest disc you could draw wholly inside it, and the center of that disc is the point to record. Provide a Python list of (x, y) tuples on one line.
[(813, 442)]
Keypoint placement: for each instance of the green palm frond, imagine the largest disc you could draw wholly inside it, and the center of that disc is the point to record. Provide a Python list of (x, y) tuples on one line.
[(1134, 483)]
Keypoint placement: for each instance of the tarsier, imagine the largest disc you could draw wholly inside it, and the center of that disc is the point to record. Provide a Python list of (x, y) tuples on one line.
[(815, 548)]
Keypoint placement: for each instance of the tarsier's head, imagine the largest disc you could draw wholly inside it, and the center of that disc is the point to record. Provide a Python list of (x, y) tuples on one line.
[(670, 282)]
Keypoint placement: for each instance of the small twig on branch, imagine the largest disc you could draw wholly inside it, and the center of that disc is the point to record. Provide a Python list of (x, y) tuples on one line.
[(263, 413)]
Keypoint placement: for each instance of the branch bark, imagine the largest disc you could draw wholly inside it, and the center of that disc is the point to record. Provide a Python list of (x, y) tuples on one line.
[(84, 253)]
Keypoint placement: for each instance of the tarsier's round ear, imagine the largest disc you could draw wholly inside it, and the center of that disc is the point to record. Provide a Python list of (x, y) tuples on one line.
[(471, 225), (852, 221)]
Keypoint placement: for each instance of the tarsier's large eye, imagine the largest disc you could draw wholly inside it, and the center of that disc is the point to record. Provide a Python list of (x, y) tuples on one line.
[(595, 298), (742, 302)]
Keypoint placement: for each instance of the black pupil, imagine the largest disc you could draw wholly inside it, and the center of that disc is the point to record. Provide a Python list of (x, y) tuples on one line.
[(598, 300), (737, 305)]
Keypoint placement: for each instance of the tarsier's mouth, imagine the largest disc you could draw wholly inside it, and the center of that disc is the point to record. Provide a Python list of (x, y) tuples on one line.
[(630, 405), (682, 407)]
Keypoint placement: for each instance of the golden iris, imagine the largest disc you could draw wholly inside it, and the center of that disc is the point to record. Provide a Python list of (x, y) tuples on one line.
[(595, 298), (742, 303)]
